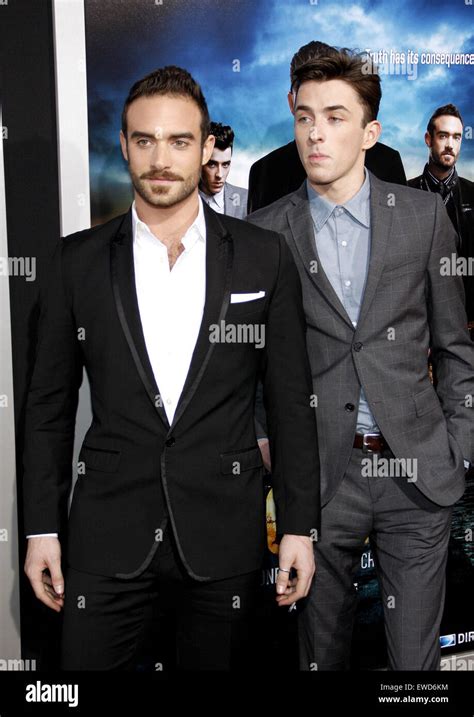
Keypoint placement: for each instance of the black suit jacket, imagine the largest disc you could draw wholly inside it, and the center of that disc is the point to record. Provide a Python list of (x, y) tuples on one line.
[(204, 472), (464, 204), (281, 172)]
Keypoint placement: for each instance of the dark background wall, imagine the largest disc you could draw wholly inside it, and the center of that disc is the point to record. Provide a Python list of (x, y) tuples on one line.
[(31, 178)]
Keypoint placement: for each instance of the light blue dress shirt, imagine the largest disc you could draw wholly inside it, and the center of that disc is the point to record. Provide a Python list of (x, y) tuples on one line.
[(342, 238)]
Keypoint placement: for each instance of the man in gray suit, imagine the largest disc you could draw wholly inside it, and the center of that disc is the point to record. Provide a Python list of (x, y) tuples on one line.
[(393, 448), (223, 197)]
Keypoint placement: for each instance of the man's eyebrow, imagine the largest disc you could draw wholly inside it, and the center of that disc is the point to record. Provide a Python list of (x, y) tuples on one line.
[(305, 108), (182, 135), (175, 135), (333, 108), (330, 108)]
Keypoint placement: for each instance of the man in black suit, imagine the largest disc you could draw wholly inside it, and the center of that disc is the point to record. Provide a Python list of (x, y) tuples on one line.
[(443, 137), (281, 171), (175, 312)]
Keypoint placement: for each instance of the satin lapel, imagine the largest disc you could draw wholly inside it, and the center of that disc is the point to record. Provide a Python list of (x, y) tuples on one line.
[(124, 288), (219, 255), (381, 220), (302, 229)]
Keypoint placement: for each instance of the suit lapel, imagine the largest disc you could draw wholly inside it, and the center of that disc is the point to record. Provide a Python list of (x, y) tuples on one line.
[(219, 256), (228, 204), (381, 220), (125, 295), (302, 230)]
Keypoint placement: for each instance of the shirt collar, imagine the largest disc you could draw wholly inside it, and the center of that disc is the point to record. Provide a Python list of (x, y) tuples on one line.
[(217, 198), (358, 206), (197, 230), (436, 181)]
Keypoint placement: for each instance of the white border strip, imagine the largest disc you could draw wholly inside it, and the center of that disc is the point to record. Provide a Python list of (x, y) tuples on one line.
[(73, 150), (71, 102), (10, 646)]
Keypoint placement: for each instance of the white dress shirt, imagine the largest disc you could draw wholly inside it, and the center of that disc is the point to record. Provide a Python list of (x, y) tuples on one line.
[(171, 305), (215, 201)]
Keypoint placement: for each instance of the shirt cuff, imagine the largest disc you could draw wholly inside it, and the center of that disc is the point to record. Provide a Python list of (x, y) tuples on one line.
[(467, 465), (43, 535)]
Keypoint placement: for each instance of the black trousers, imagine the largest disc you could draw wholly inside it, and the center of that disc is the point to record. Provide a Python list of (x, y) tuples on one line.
[(186, 624)]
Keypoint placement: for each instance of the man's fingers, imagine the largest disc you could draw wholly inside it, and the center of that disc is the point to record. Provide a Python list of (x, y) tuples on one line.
[(42, 595), (44, 553), (291, 587), (56, 575), (299, 589), (282, 580), (48, 586)]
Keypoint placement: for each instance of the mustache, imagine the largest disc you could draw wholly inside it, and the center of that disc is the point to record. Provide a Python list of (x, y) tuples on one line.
[(162, 175)]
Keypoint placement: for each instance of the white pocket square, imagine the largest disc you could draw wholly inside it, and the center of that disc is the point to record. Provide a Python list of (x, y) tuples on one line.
[(238, 298)]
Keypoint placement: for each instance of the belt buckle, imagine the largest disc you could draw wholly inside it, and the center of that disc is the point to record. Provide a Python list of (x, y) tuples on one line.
[(365, 445)]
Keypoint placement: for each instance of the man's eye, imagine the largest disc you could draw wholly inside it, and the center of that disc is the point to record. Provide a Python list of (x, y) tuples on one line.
[(143, 142), (304, 120), (181, 143), (211, 165), (336, 119)]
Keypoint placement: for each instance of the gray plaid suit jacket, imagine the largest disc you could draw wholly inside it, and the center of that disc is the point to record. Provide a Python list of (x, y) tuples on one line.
[(408, 308), (235, 201)]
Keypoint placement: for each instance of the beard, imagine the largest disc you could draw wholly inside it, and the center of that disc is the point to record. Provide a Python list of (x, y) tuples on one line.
[(442, 162), (164, 196)]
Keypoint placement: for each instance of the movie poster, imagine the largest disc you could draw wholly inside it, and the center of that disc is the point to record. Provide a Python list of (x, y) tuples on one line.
[(240, 52)]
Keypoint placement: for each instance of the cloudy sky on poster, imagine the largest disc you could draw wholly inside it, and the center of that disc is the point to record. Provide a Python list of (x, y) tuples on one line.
[(125, 40)]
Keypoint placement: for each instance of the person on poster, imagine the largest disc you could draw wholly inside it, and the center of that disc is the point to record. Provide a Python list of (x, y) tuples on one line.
[(443, 137), (173, 310), (221, 195), (393, 449), (281, 171)]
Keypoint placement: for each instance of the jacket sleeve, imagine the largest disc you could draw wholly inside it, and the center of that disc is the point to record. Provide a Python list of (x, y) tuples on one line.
[(51, 407), (291, 421), (451, 347)]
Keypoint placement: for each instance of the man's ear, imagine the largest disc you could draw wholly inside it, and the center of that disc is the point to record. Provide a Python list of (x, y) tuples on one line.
[(123, 144), (291, 102), (207, 149), (372, 133), (428, 139)]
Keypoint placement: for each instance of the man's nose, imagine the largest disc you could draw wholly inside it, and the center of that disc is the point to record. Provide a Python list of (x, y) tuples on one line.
[(160, 157), (315, 133)]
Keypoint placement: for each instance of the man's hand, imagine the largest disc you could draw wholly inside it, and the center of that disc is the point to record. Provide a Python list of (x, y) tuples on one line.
[(264, 445), (42, 554), (296, 551)]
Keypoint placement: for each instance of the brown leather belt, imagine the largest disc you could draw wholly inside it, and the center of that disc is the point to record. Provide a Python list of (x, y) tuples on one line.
[(370, 442)]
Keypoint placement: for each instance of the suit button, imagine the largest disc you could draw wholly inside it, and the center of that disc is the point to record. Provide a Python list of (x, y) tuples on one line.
[(170, 442), (349, 407), (357, 346)]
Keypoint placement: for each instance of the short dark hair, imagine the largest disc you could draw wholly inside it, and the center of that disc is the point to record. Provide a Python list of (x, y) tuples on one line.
[(169, 80), (311, 51), (224, 135), (449, 109), (357, 69)]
